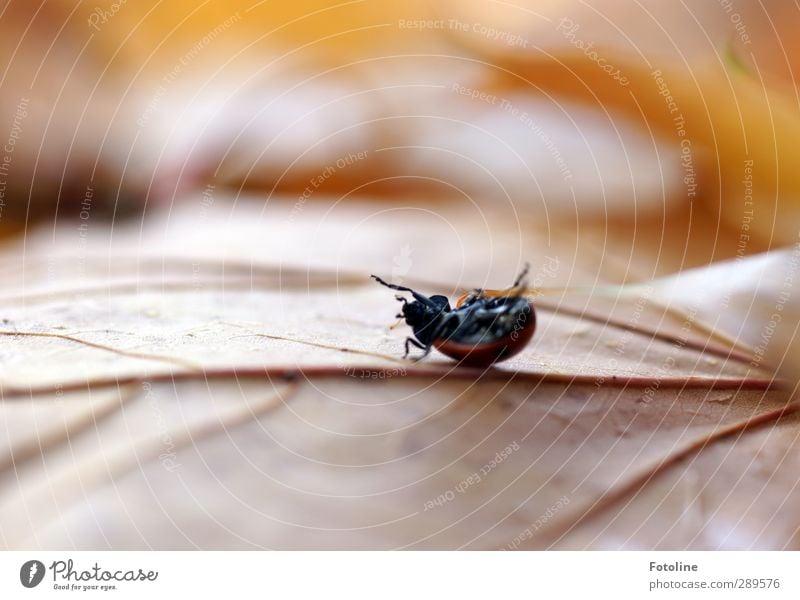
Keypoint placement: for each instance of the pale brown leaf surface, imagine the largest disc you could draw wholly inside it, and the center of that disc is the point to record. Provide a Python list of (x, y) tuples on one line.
[(224, 382)]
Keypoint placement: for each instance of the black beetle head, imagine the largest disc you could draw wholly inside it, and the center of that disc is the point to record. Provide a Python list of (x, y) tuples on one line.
[(423, 310), (419, 314)]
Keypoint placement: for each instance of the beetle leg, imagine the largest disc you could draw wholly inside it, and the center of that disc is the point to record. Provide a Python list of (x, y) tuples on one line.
[(427, 351), (473, 296), (413, 342)]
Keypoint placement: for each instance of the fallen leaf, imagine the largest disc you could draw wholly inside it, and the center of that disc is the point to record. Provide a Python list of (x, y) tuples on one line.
[(156, 400)]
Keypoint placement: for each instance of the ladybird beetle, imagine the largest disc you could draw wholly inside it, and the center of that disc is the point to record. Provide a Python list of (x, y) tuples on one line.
[(482, 329)]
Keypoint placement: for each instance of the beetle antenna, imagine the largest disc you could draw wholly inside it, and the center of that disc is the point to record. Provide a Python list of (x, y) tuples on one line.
[(400, 288), (393, 286), (522, 275)]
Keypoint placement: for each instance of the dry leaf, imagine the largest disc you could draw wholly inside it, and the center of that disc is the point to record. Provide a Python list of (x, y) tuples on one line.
[(156, 399)]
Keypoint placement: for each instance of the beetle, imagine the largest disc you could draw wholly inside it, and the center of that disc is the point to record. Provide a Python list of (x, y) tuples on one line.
[(483, 328)]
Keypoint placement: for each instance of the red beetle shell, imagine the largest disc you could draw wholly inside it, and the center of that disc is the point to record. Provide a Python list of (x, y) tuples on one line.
[(485, 354)]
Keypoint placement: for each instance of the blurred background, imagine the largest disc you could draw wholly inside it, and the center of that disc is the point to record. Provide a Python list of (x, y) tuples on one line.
[(666, 130)]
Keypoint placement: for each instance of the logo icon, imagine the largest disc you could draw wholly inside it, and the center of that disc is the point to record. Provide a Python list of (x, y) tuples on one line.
[(31, 573)]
